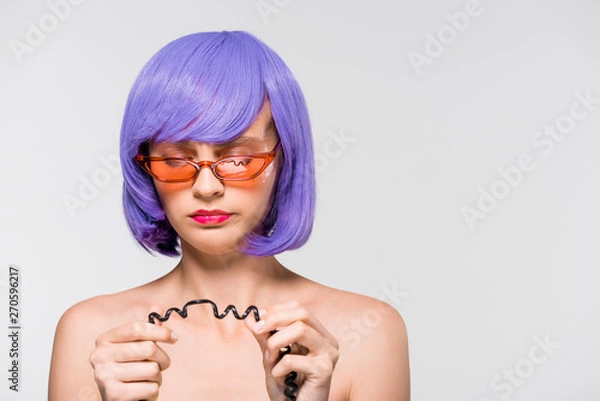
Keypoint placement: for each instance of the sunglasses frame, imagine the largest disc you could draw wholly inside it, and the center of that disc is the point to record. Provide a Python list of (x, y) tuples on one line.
[(267, 156)]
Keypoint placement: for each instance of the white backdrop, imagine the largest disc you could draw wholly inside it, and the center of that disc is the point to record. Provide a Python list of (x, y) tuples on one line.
[(457, 149)]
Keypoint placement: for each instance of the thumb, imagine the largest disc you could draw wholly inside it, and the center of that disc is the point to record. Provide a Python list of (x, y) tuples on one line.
[(257, 330), (154, 316)]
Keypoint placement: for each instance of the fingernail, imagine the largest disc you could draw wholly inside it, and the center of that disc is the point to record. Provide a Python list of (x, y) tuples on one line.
[(267, 355), (259, 325), (174, 336), (262, 312)]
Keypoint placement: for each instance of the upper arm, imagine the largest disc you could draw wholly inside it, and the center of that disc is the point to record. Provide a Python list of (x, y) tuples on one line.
[(71, 375), (381, 360)]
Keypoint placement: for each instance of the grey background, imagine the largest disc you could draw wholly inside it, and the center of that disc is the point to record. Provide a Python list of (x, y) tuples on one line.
[(422, 142)]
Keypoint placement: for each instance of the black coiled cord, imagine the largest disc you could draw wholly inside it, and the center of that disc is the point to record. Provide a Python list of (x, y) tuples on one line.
[(289, 380)]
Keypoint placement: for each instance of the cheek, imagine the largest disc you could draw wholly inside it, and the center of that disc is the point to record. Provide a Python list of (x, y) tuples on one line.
[(171, 187), (255, 194), (168, 193), (269, 171), (262, 183), (269, 175)]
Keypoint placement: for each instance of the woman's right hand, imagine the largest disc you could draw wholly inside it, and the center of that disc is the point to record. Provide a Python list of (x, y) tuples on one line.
[(128, 363)]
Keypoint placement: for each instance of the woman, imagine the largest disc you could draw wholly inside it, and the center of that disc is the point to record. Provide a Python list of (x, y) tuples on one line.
[(216, 152)]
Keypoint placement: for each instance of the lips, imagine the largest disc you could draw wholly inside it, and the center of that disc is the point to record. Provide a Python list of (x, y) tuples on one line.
[(214, 216), (213, 212)]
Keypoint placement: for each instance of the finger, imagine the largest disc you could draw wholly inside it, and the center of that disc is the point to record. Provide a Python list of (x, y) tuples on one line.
[(137, 372), (128, 353), (152, 318), (308, 339), (138, 331), (141, 351), (262, 338), (287, 313), (133, 391), (315, 369), (282, 315), (256, 330)]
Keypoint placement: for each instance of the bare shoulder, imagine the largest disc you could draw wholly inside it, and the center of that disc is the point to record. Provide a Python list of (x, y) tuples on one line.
[(373, 343), (357, 319), (80, 325), (71, 375), (104, 311)]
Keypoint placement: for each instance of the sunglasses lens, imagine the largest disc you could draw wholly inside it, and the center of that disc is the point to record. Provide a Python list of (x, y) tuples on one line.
[(231, 168), (239, 168), (171, 170)]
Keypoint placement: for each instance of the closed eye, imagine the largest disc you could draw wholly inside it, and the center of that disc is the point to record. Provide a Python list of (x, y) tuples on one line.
[(176, 162), (238, 161)]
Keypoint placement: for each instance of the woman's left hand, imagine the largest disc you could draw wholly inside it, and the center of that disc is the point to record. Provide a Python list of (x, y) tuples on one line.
[(313, 356)]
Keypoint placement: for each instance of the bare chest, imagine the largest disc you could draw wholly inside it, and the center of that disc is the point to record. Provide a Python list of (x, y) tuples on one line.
[(205, 366)]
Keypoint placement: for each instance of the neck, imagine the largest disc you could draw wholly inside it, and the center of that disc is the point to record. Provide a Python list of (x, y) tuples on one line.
[(236, 278)]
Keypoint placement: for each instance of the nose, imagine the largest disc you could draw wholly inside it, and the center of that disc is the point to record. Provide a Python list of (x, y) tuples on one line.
[(206, 184)]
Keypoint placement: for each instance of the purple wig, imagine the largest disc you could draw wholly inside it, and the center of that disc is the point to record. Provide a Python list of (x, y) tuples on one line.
[(209, 87)]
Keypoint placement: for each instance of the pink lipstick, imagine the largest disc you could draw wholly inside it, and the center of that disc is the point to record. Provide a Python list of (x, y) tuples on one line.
[(214, 216)]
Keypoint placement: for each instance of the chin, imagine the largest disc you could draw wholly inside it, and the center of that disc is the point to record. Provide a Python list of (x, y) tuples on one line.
[(221, 241), (211, 247)]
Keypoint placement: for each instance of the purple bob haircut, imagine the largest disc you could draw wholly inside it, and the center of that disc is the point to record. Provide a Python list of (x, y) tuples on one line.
[(209, 87)]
